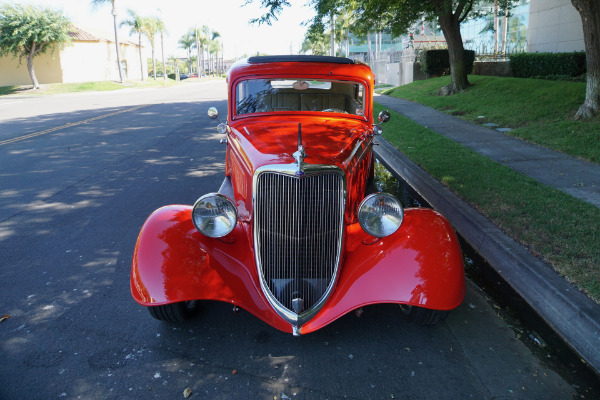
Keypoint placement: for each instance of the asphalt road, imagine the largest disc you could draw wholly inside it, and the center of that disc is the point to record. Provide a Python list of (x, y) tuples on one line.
[(78, 176)]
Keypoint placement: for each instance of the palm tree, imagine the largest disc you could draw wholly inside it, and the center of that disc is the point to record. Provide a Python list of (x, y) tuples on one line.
[(137, 25), (204, 40), (96, 3), (186, 42), (160, 26), (150, 29), (214, 46)]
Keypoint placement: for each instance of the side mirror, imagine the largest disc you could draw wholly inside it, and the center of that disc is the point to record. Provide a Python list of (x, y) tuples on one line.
[(213, 113), (384, 116)]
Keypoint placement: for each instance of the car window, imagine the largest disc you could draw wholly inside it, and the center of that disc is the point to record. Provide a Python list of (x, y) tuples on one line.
[(284, 95)]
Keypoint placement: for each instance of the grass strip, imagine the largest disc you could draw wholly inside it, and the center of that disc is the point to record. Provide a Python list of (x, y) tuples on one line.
[(539, 111), (562, 230), (59, 88)]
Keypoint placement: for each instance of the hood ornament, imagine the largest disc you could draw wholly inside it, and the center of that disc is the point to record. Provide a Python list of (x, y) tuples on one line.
[(299, 155)]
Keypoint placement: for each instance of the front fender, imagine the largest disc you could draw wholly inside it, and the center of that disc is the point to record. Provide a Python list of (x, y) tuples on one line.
[(173, 262), (420, 265)]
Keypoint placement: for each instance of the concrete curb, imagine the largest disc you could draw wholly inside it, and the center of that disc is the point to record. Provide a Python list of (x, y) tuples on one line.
[(571, 314)]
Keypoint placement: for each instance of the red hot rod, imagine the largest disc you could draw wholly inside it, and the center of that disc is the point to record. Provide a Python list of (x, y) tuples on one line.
[(296, 234)]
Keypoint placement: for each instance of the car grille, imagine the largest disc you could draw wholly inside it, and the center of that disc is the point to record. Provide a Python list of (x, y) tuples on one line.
[(299, 223)]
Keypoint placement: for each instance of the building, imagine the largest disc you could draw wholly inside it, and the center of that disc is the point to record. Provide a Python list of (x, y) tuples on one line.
[(90, 57)]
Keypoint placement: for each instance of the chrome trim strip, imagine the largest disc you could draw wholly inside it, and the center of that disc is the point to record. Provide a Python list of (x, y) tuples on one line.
[(297, 320)]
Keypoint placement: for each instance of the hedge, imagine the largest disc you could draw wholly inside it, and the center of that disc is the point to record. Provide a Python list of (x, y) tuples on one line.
[(537, 65), (437, 62)]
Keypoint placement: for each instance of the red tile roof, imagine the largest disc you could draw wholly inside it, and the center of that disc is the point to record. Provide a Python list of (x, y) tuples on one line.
[(79, 34)]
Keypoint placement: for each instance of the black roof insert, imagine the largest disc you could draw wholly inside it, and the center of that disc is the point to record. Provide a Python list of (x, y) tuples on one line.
[(300, 58)]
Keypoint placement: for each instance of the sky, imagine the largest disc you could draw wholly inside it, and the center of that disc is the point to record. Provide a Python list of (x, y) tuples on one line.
[(228, 17)]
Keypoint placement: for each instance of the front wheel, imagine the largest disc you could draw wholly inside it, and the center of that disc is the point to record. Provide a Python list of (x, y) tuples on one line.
[(174, 312), (422, 316)]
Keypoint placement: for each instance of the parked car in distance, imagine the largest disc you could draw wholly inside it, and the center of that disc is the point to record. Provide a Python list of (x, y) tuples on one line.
[(183, 76), (297, 234)]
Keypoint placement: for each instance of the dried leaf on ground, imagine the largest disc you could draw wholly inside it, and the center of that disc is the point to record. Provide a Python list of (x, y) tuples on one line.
[(187, 393), (4, 317)]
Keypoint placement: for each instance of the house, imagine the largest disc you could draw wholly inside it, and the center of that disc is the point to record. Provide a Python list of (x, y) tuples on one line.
[(90, 57)]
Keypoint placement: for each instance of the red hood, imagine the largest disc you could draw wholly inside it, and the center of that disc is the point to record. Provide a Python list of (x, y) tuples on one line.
[(273, 140)]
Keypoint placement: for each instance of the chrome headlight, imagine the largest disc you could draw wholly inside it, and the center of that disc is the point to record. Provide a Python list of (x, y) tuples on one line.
[(214, 215), (380, 214)]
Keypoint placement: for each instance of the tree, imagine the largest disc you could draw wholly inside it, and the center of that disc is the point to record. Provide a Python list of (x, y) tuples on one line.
[(315, 40), (96, 3), (150, 29), (202, 38), (590, 19), (399, 16), (213, 48), (186, 42), (26, 31), (160, 26), (137, 25)]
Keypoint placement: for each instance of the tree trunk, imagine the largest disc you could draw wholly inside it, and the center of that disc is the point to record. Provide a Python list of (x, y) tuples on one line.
[(504, 31), (590, 18), (201, 53), (153, 63), (162, 49), (332, 40), (456, 52), (30, 56), (140, 51), (114, 13), (495, 27), (198, 54), (369, 47)]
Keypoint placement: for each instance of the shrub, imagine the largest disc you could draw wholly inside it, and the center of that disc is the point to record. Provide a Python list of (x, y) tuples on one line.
[(437, 62), (548, 65)]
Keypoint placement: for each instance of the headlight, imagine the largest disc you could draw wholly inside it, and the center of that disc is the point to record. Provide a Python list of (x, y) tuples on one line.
[(214, 215), (380, 214)]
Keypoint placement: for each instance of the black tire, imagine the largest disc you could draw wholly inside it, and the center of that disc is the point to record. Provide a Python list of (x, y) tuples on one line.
[(422, 316), (174, 312)]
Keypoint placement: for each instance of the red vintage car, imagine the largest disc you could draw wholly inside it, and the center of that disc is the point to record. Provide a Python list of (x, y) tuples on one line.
[(297, 235)]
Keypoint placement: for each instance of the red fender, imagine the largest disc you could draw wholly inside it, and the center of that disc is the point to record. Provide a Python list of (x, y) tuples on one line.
[(421, 265), (173, 262)]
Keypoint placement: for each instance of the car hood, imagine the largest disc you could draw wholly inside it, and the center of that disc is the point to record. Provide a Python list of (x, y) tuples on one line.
[(331, 141)]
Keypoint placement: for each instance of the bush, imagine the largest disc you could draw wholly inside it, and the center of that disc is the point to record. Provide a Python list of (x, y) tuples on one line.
[(437, 62), (548, 65), (171, 76)]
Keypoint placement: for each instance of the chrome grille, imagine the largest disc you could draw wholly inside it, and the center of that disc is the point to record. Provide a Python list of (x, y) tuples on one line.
[(299, 222)]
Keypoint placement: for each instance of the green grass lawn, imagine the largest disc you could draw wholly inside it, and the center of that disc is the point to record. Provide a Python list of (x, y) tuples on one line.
[(58, 88), (539, 111), (560, 229)]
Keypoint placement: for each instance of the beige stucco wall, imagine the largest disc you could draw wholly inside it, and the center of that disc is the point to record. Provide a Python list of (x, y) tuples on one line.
[(47, 70), (97, 61), (81, 62), (554, 26)]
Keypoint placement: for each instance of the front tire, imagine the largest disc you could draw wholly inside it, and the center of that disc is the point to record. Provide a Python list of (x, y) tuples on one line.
[(174, 312), (422, 316)]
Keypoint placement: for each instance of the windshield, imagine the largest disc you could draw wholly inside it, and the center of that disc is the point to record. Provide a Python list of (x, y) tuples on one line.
[(272, 95)]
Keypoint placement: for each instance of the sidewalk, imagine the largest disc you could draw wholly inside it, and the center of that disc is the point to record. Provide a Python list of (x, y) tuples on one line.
[(579, 178), (571, 314)]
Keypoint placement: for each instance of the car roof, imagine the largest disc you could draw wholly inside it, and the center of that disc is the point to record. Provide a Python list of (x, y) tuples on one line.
[(300, 58), (301, 65)]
